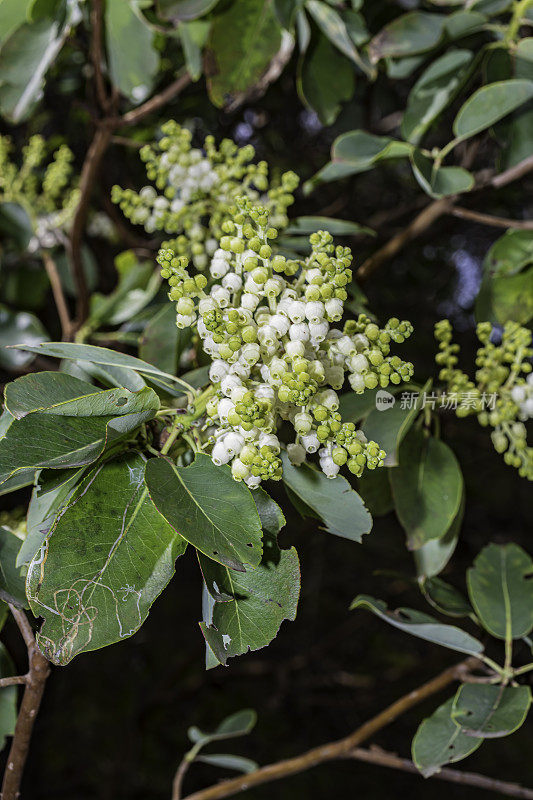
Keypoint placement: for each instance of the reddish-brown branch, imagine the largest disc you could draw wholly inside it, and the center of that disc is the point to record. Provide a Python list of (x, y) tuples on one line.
[(13, 680), (35, 681), (340, 748), (97, 55), (59, 296), (137, 114), (384, 759)]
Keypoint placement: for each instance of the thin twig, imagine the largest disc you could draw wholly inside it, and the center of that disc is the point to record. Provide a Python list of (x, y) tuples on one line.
[(340, 748), (132, 117), (483, 180), (13, 680), (97, 55), (384, 759), (490, 219), (177, 783), (38, 672), (59, 296)]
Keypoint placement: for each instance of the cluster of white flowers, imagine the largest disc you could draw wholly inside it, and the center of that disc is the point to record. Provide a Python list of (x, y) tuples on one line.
[(267, 323), (523, 397), (195, 190)]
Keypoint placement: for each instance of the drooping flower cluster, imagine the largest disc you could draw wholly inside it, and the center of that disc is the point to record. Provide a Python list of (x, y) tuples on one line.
[(47, 194), (196, 189), (267, 323), (502, 394)]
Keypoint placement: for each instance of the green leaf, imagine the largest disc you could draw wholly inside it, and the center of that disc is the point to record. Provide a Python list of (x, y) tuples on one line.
[(162, 342), (242, 41), (133, 60), (445, 598), (444, 181), (432, 557), (374, 488), (8, 698), (102, 564), (184, 10), (433, 91), (388, 425), (421, 625), (501, 300), (226, 761), (193, 37), (500, 586), (338, 505), (427, 487), (464, 23), (13, 13), (509, 254), (26, 56), (411, 33), (11, 582), (103, 356), (138, 284), (239, 724), (334, 27), (250, 606), (46, 436), (14, 220), (51, 492), (314, 80), (337, 227), (489, 712), (18, 327), (357, 151), (439, 741), (211, 510), (490, 104)]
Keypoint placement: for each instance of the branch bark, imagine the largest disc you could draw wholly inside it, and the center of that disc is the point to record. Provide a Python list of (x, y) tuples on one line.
[(490, 219), (484, 180), (35, 681), (384, 759), (341, 748), (59, 296)]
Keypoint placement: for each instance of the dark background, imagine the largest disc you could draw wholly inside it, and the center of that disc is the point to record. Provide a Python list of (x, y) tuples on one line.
[(113, 723)]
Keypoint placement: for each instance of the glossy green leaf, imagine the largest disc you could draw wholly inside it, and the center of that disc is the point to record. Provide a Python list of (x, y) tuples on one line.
[(337, 227), (445, 598), (509, 254), (427, 487), (421, 625), (226, 761), (433, 91), (490, 104), (27, 55), (388, 426), (501, 300), (46, 436), (184, 10), (52, 490), (101, 355), (15, 223), (15, 328), (250, 606), (500, 586), (374, 488), (334, 28), (432, 557), (442, 182), (464, 23), (411, 33), (13, 13), (103, 563), (133, 59), (8, 698), (239, 724), (11, 582), (137, 285), (211, 510), (337, 504), (439, 741), (490, 712), (242, 41), (193, 36), (314, 84), (161, 342)]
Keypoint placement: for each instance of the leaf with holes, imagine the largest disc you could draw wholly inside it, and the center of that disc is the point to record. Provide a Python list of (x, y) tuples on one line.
[(489, 712), (106, 558), (439, 741)]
